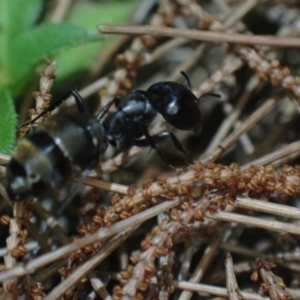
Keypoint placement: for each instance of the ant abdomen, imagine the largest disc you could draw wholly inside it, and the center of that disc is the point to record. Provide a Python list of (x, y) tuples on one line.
[(60, 148)]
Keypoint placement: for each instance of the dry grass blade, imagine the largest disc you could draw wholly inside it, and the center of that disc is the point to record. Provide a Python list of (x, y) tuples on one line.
[(88, 266), (206, 36), (231, 283), (101, 235)]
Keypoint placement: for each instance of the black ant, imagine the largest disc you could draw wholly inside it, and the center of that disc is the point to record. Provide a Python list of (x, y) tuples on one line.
[(65, 145)]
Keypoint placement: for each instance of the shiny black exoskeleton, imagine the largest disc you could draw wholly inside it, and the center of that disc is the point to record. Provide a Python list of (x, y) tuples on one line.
[(130, 120), (65, 145), (174, 101)]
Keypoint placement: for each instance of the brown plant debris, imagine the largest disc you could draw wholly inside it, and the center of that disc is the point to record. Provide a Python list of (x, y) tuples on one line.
[(273, 285)]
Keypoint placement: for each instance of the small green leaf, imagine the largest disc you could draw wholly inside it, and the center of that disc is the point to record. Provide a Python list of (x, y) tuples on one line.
[(89, 15), (8, 122), (19, 15), (30, 48), (16, 17)]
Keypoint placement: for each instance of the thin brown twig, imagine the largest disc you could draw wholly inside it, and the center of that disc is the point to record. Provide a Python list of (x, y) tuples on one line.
[(106, 186), (221, 292), (262, 111), (246, 267), (255, 222), (4, 158), (85, 268), (13, 242), (134, 220), (99, 286), (208, 36), (213, 290), (233, 290), (233, 115), (203, 264), (268, 207), (102, 234), (200, 288), (51, 222), (285, 160), (290, 149)]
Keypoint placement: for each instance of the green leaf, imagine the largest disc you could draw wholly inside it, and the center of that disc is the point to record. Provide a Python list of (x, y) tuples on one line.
[(19, 15), (89, 15), (30, 48), (8, 122), (16, 17)]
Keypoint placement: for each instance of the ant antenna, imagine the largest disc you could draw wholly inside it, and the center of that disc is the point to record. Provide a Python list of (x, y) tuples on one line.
[(189, 85), (105, 109), (210, 94), (81, 105), (187, 79)]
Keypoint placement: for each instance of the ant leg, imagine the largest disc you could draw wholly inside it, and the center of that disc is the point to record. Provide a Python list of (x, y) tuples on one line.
[(79, 102), (81, 105), (179, 147), (157, 138), (189, 86), (151, 141), (187, 79), (104, 110)]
